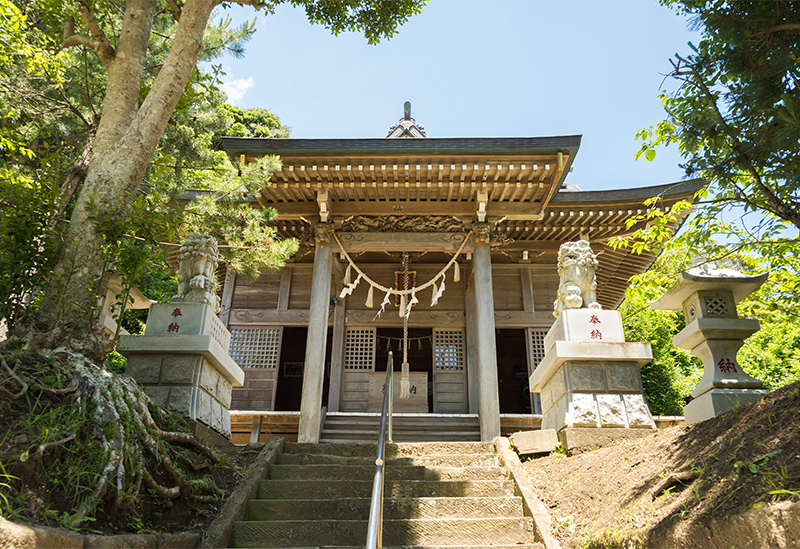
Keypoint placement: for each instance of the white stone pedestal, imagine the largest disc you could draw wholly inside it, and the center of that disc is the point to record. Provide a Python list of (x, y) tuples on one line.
[(182, 362), (718, 401), (590, 375)]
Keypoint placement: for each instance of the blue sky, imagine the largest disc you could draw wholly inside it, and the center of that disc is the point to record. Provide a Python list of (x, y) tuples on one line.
[(479, 68)]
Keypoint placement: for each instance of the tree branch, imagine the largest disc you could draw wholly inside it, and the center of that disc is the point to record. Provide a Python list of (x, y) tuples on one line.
[(778, 208), (14, 376), (778, 28), (257, 4), (175, 9), (98, 42), (106, 52)]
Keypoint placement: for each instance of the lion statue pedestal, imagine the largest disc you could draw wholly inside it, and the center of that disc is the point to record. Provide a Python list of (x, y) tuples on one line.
[(589, 379), (182, 359)]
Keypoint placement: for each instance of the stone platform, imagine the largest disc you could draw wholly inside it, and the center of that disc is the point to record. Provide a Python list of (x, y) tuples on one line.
[(590, 374), (183, 364)]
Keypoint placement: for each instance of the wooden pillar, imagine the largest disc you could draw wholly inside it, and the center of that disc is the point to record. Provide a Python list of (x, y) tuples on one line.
[(489, 404), (337, 355), (314, 369), (227, 296), (472, 347)]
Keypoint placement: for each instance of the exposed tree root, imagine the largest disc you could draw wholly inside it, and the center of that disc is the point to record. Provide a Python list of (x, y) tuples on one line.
[(37, 455), (15, 377), (114, 422)]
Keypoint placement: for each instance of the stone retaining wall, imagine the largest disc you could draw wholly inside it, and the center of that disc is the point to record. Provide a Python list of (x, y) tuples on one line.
[(25, 536), (188, 385)]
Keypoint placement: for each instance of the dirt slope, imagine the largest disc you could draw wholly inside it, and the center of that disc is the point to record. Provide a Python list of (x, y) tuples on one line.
[(742, 490)]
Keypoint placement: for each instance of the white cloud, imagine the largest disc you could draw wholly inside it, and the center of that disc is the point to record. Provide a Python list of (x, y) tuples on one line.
[(235, 89)]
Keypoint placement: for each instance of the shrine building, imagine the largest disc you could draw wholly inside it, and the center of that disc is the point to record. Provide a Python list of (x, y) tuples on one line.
[(475, 223)]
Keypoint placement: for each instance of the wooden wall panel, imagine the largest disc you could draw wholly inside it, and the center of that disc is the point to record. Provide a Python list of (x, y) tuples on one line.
[(355, 391), (258, 391), (507, 290), (545, 288), (300, 293), (261, 293)]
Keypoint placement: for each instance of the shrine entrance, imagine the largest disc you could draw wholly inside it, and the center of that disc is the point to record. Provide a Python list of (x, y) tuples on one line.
[(273, 358), (420, 360), (512, 371)]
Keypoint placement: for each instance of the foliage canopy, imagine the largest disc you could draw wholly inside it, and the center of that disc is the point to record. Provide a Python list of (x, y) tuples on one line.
[(117, 110)]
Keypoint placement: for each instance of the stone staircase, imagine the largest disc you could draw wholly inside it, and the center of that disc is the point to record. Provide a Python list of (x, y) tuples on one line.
[(437, 495), (362, 427)]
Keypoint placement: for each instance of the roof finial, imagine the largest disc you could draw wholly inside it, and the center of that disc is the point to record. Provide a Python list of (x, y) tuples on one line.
[(407, 127)]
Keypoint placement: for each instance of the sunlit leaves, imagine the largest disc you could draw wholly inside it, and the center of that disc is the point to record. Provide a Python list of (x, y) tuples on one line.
[(375, 19), (735, 113)]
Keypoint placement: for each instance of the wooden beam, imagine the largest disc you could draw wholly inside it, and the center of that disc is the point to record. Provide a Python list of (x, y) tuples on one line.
[(271, 317), (419, 318), (509, 210), (255, 432), (521, 319), (285, 289), (472, 349), (337, 355), (402, 242)]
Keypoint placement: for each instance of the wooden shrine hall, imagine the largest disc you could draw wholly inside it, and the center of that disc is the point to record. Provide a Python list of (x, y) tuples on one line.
[(482, 218)]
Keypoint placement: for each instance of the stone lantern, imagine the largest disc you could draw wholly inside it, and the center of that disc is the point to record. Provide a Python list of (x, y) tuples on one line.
[(714, 332)]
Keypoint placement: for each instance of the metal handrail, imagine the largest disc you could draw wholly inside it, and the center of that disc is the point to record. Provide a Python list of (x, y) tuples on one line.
[(375, 526)]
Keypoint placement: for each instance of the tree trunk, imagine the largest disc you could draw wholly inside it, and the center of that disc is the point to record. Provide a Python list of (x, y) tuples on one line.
[(126, 140), (77, 174)]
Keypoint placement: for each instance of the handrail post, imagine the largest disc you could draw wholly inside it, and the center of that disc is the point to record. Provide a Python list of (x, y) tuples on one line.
[(391, 398), (322, 414), (375, 525)]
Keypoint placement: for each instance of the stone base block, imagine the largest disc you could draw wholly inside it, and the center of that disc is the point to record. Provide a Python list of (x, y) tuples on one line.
[(718, 401), (595, 394), (579, 440), (188, 385), (535, 442)]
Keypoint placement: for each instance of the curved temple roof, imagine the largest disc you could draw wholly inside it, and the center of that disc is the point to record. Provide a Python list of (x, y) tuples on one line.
[(517, 183)]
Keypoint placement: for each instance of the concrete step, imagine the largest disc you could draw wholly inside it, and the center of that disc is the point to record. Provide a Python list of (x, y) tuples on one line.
[(392, 450), (393, 472), (536, 545), (328, 436), (421, 420), (448, 532), (397, 508), (399, 424), (333, 489), (437, 460), (430, 428)]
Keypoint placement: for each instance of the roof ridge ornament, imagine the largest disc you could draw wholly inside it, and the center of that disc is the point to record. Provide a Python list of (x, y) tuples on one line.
[(407, 127)]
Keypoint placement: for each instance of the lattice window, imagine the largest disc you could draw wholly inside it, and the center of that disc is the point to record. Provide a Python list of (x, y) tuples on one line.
[(256, 347), (359, 349), (537, 346), (717, 306), (448, 350)]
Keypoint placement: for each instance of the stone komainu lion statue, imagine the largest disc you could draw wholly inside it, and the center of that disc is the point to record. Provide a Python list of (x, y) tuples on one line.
[(576, 265), (198, 259)]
